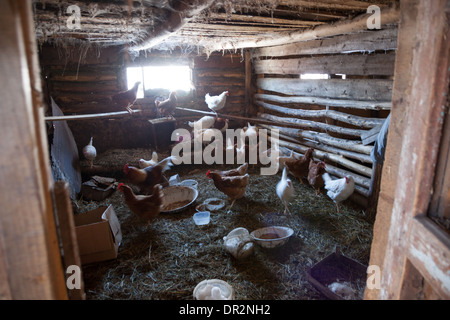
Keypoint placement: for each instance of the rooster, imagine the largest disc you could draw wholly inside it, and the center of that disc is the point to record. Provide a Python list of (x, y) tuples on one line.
[(167, 107), (127, 98), (146, 178), (215, 103), (146, 163), (300, 168), (233, 186), (90, 152), (285, 190), (316, 170), (146, 207), (339, 190)]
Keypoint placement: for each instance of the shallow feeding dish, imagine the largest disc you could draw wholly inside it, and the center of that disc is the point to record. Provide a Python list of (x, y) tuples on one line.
[(214, 204), (213, 289), (201, 218), (177, 198), (272, 237)]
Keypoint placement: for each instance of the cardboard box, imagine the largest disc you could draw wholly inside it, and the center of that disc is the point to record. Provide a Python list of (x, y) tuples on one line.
[(98, 234), (98, 188)]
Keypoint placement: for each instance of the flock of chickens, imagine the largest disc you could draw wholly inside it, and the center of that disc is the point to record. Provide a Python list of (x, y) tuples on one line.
[(149, 178)]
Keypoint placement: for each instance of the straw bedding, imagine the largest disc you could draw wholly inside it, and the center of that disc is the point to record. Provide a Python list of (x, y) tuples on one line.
[(169, 257)]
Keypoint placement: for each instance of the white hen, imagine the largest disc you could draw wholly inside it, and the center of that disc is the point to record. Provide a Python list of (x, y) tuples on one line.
[(90, 153), (285, 190), (251, 131), (340, 189), (205, 122), (216, 103), (147, 163)]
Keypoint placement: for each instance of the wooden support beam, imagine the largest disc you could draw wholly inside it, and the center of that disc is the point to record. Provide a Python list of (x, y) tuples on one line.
[(342, 103), (388, 16), (364, 41), (182, 13)]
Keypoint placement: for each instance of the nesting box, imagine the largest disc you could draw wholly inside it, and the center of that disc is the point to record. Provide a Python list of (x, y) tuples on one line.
[(337, 268)]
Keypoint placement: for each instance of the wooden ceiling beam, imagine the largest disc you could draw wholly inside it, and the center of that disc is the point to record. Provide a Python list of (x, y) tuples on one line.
[(359, 23)]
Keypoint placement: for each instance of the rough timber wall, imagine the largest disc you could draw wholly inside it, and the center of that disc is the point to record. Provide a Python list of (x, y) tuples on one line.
[(330, 115)]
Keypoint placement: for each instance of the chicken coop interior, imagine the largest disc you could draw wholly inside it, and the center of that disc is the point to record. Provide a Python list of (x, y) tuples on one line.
[(314, 135)]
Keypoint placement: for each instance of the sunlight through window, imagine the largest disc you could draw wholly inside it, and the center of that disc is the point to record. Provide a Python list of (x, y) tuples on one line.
[(314, 76), (160, 77)]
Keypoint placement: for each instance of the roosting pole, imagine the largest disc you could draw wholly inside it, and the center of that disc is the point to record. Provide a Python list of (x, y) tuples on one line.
[(180, 14), (359, 23)]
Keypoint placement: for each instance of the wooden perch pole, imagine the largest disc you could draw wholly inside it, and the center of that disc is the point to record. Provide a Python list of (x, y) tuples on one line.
[(91, 116)]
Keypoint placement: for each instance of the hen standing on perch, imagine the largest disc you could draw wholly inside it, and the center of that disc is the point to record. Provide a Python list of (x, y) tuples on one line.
[(285, 190), (215, 103), (339, 190), (127, 98), (90, 153), (168, 106)]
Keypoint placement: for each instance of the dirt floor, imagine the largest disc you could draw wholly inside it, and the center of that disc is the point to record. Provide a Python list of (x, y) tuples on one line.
[(166, 259)]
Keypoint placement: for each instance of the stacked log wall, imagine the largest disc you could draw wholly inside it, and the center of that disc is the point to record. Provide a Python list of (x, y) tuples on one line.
[(329, 115)]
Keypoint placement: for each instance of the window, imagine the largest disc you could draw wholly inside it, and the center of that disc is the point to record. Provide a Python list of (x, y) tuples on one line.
[(314, 76), (159, 77)]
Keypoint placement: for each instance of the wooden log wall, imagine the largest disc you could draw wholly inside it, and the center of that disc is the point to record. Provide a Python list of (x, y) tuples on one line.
[(81, 81), (329, 115)]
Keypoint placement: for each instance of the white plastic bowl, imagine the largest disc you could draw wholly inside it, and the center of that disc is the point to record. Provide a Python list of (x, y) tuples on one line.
[(272, 237), (184, 196), (226, 290), (202, 218)]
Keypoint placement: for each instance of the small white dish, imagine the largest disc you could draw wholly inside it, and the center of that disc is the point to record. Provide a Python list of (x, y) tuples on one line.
[(202, 217)]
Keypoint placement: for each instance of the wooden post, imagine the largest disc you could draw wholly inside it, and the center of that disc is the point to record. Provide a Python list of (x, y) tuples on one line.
[(374, 192), (248, 83), (30, 260), (63, 207)]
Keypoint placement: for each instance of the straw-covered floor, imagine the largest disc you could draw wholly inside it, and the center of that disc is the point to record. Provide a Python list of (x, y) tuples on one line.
[(169, 257)]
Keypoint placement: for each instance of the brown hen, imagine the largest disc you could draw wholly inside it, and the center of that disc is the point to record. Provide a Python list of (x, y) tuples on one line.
[(147, 207), (299, 168)]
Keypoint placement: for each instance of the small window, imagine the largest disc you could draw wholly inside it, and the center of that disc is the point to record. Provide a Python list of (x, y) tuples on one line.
[(314, 76), (160, 77)]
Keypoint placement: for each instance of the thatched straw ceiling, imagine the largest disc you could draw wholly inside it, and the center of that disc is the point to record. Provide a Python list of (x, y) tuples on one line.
[(203, 24)]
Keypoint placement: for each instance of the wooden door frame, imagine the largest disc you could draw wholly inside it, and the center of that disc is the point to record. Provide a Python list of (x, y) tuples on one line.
[(30, 259), (407, 245)]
